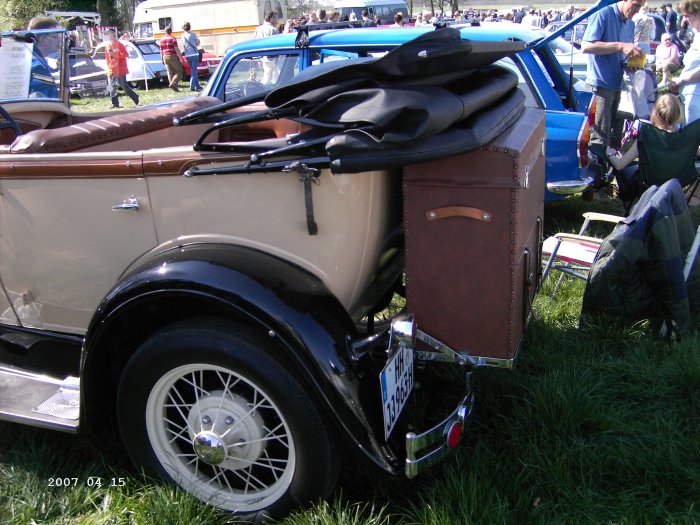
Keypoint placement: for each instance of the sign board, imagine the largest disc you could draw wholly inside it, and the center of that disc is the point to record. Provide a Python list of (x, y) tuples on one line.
[(16, 67)]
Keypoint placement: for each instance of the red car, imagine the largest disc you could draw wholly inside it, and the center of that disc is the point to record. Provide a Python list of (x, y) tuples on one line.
[(205, 68)]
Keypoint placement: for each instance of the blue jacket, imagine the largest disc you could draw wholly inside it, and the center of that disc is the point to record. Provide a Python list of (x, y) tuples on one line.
[(638, 272), (42, 84)]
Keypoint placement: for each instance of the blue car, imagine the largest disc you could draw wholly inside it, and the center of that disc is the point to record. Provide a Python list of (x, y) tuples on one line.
[(261, 65)]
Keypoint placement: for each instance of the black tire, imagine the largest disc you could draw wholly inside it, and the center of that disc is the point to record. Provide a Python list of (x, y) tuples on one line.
[(259, 463)]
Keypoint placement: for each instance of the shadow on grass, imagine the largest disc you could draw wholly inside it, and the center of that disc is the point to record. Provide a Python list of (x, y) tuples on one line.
[(594, 425)]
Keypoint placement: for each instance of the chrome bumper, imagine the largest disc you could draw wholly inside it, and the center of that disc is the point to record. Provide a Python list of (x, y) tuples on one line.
[(426, 449), (569, 187)]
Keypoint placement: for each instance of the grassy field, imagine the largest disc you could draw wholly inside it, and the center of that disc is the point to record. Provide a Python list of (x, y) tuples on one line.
[(594, 425), (150, 96)]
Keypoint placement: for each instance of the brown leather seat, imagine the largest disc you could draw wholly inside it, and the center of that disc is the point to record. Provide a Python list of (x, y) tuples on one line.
[(106, 129)]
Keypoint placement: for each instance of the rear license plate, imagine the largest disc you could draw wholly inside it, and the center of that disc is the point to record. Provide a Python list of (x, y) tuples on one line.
[(397, 382), (100, 83)]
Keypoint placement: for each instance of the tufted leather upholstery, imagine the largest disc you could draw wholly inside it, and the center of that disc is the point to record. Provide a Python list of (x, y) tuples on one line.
[(103, 130)]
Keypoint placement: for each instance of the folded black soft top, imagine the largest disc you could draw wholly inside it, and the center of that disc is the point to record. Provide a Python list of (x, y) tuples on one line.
[(434, 96)]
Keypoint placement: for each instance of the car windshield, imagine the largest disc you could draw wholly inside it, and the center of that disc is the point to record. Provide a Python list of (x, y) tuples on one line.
[(573, 34), (260, 73), (149, 48), (82, 65), (28, 71)]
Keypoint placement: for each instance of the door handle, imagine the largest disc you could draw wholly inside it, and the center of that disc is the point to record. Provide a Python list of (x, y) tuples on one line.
[(130, 204)]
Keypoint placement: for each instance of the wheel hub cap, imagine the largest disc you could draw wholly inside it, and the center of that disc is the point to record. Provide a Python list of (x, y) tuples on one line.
[(210, 448), (226, 431)]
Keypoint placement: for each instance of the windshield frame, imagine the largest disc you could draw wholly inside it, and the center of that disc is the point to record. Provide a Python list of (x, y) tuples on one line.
[(30, 36)]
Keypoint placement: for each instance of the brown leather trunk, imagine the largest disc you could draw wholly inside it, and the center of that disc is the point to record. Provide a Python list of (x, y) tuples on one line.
[(473, 226)]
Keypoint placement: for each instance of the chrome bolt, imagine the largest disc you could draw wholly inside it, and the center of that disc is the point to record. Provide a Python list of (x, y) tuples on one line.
[(228, 420), (240, 443), (206, 420)]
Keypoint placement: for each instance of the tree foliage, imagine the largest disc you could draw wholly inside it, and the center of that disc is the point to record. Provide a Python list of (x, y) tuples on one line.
[(297, 8), (14, 14)]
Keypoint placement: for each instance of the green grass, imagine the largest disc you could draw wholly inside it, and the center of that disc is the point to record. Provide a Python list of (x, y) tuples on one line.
[(597, 424), (150, 96)]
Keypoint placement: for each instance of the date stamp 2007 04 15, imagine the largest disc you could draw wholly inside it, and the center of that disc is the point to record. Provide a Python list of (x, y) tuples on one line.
[(90, 481)]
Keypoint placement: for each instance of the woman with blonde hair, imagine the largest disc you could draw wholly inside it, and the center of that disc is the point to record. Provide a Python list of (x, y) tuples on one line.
[(664, 149), (666, 115)]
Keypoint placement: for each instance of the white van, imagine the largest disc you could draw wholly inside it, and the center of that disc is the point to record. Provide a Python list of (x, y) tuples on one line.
[(384, 9), (218, 23)]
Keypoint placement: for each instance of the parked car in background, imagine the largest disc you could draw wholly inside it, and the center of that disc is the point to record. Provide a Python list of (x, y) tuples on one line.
[(205, 68), (87, 79), (143, 60), (569, 169), (570, 34), (568, 55)]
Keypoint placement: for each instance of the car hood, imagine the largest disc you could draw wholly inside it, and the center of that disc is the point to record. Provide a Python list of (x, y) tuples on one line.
[(574, 21)]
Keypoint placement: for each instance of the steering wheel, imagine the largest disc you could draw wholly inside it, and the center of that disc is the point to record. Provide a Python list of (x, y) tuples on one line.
[(9, 122), (251, 87)]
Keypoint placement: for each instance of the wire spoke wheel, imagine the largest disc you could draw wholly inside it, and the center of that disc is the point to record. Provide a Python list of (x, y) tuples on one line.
[(210, 406), (220, 437)]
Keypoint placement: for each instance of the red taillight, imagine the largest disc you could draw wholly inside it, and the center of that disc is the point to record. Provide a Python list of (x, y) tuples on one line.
[(454, 434), (591, 111), (584, 135)]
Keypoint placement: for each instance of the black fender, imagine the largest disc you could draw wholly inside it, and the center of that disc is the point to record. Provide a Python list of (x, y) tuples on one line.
[(285, 301)]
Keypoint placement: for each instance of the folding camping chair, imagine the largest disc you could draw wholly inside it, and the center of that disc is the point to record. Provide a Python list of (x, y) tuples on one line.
[(573, 254), (638, 271), (664, 156)]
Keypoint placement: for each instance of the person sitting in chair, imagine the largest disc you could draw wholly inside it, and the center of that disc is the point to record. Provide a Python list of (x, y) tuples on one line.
[(664, 151)]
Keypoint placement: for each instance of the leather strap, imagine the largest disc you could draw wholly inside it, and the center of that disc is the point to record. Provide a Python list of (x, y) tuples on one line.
[(309, 204), (458, 211)]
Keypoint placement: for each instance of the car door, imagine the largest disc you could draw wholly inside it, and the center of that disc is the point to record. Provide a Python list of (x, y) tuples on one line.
[(136, 63), (70, 224)]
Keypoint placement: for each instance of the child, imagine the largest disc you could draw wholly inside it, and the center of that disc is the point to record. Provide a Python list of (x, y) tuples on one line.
[(666, 115), (668, 151)]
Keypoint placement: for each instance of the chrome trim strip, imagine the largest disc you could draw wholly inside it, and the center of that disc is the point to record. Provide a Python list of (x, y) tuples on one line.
[(568, 187), (448, 355), (41, 422), (27, 374)]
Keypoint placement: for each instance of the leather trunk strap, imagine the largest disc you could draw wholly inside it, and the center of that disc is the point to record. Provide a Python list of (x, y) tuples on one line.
[(458, 211)]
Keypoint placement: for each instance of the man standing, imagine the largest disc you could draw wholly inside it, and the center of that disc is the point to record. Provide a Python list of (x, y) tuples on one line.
[(115, 55), (609, 41), (269, 64), (569, 15), (671, 20), (170, 56), (268, 27), (366, 22), (42, 83)]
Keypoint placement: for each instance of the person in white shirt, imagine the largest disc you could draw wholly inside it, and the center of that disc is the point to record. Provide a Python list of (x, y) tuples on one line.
[(269, 65), (268, 27), (425, 19)]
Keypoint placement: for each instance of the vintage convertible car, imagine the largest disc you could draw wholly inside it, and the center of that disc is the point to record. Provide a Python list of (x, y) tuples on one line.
[(203, 278)]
